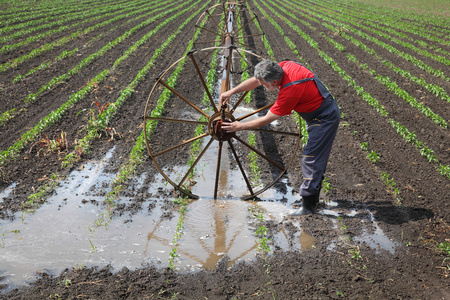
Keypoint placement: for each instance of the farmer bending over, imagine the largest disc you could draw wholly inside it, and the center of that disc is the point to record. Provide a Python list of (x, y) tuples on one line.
[(299, 90)]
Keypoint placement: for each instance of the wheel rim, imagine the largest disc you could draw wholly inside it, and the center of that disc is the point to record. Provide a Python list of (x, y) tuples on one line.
[(159, 145)]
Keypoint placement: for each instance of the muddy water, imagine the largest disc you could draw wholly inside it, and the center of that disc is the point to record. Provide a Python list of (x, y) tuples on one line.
[(69, 230), (63, 234)]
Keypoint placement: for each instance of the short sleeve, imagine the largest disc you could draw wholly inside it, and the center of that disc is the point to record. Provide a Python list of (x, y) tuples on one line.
[(285, 103)]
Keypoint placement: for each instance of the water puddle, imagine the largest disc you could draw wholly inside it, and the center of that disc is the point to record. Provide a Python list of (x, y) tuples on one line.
[(68, 230), (372, 235)]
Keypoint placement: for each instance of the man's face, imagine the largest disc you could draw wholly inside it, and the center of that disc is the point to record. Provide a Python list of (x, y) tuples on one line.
[(271, 86)]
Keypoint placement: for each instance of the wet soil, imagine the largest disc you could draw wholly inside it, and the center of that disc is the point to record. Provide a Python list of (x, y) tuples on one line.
[(415, 269)]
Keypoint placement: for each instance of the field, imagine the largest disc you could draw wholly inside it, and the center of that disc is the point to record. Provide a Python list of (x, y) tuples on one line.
[(86, 213)]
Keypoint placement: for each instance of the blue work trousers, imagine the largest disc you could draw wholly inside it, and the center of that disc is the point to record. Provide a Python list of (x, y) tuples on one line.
[(322, 127)]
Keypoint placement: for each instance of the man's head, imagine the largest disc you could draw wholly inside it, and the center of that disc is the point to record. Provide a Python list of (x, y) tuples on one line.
[(269, 74)]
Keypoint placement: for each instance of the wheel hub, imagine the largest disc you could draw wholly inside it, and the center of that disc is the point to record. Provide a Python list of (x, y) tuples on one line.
[(215, 126)]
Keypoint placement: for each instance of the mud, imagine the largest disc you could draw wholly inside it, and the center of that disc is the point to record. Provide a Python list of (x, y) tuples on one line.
[(362, 242)]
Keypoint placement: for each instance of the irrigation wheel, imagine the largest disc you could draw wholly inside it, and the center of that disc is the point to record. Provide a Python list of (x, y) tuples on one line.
[(184, 140)]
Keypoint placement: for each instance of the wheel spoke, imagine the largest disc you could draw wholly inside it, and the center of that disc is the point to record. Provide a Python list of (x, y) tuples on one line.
[(176, 120), (217, 24), (219, 156), (203, 58), (255, 112), (207, 42), (248, 22), (277, 132), (239, 101), (203, 28), (236, 157), (195, 162), (205, 87), (183, 98), (259, 153), (181, 144)]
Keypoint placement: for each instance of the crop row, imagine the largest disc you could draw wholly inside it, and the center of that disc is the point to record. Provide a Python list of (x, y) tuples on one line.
[(392, 86), (356, 18), (381, 15), (137, 152), (87, 16), (105, 117), (55, 81), (415, 31), (30, 16), (403, 131), (432, 88), (54, 116), (338, 23), (91, 58), (50, 46)]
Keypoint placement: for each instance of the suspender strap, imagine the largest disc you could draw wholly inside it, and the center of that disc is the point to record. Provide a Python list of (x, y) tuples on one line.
[(297, 82), (322, 89)]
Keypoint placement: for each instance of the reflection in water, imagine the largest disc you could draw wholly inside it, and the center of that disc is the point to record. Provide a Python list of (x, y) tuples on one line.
[(375, 239), (214, 229), (56, 236)]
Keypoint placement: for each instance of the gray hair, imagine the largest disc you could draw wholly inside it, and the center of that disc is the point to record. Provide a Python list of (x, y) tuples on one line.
[(268, 71)]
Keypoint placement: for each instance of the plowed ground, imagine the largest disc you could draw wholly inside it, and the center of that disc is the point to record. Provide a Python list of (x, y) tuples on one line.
[(415, 270)]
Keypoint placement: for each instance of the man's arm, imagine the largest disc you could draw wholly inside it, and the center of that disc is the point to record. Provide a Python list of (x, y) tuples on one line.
[(246, 85), (237, 126)]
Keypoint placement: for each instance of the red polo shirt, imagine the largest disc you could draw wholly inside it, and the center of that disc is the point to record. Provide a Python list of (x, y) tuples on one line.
[(303, 98)]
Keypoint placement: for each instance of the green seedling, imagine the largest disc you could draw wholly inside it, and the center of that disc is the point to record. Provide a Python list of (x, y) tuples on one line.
[(445, 248), (343, 226), (373, 156), (67, 282), (326, 186), (355, 253), (92, 246), (364, 146)]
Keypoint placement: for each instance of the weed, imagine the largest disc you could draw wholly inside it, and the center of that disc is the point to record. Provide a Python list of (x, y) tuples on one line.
[(51, 145), (96, 123)]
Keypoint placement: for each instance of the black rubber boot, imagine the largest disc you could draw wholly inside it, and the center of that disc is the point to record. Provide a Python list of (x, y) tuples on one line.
[(297, 204), (308, 206)]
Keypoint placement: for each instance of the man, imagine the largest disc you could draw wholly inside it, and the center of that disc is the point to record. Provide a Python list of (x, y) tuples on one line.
[(301, 91)]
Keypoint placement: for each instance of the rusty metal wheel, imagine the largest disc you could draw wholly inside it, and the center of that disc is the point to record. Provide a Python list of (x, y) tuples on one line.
[(185, 141)]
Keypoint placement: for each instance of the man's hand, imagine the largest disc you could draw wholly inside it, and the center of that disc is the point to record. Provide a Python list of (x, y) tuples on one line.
[(225, 97), (231, 127), (256, 123)]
